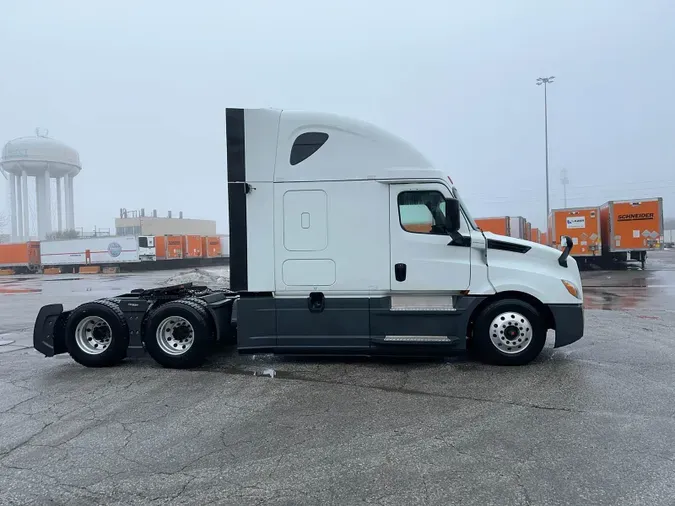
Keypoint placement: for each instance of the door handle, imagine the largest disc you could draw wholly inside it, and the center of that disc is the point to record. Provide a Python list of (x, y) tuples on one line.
[(400, 272), (316, 302)]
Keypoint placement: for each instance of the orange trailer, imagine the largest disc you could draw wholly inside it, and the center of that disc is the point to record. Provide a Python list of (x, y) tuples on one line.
[(582, 225), (211, 247), (192, 246), (20, 256), (535, 235), (630, 228), (168, 247), (500, 226), (544, 238)]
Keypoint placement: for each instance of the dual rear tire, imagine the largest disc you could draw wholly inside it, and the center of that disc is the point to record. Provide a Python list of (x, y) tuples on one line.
[(97, 334), (177, 334), (180, 334)]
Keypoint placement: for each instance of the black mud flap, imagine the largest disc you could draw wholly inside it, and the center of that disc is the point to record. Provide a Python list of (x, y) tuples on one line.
[(48, 332)]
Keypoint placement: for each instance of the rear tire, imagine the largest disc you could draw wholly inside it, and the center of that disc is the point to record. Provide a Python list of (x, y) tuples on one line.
[(508, 332), (179, 334), (97, 334)]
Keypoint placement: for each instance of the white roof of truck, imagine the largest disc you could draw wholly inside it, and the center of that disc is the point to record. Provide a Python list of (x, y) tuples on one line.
[(284, 146)]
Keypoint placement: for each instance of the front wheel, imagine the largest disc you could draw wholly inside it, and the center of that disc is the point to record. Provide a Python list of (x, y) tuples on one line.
[(509, 332)]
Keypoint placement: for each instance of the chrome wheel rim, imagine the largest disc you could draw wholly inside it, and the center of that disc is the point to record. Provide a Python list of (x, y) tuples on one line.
[(511, 333), (93, 335), (175, 335)]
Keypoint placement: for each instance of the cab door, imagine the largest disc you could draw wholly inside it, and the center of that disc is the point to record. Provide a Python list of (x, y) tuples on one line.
[(424, 258)]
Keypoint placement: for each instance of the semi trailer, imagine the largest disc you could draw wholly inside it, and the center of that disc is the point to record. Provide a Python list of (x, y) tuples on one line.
[(499, 226), (344, 239), (630, 229), (105, 250), (582, 225), (20, 257), (517, 227)]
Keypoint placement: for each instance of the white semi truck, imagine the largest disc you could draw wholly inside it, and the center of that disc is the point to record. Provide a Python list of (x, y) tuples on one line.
[(344, 239)]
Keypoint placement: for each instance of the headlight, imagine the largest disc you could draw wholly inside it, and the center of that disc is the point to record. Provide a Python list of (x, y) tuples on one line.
[(574, 291)]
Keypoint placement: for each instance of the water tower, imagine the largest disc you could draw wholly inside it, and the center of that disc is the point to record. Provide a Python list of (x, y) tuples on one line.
[(44, 159)]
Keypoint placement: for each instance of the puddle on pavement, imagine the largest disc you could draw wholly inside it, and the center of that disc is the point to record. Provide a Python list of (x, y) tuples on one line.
[(12, 290), (9, 281)]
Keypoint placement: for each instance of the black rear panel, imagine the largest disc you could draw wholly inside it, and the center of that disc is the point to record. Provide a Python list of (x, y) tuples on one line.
[(236, 194)]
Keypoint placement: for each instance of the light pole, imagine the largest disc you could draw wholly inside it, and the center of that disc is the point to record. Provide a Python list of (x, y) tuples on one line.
[(546, 81)]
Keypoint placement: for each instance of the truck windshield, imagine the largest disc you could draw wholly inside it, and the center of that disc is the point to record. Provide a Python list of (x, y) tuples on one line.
[(465, 210)]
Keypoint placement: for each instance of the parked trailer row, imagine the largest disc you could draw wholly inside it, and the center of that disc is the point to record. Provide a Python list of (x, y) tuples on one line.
[(112, 251), (511, 226), (616, 231), (500, 225)]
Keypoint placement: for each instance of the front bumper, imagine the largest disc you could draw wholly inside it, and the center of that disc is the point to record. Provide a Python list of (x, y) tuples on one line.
[(569, 323)]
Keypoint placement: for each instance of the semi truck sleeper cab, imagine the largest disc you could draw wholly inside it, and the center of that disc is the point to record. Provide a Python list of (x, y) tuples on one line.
[(344, 239)]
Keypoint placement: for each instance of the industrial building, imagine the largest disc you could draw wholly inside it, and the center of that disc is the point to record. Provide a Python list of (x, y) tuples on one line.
[(42, 159), (136, 222)]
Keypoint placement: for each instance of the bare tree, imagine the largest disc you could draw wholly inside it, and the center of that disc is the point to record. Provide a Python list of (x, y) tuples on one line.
[(63, 234)]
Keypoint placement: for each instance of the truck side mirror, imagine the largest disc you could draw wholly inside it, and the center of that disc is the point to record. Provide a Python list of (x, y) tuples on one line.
[(452, 215)]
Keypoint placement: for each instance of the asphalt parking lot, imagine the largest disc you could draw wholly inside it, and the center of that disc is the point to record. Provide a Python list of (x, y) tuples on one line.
[(592, 423)]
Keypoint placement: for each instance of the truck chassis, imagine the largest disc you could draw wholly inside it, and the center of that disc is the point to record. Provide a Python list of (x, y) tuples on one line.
[(105, 331), (179, 325)]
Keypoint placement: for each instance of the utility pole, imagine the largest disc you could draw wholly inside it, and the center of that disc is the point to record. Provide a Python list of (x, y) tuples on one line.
[(546, 81), (565, 181)]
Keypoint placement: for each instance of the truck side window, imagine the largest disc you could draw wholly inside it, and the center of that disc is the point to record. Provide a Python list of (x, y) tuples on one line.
[(305, 145), (422, 212), (143, 242)]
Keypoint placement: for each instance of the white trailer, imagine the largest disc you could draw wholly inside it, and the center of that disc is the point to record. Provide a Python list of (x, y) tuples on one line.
[(225, 245), (96, 251), (325, 258), (517, 227), (668, 239)]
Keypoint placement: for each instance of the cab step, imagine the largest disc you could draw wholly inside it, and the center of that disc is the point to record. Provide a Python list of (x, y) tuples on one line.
[(419, 339)]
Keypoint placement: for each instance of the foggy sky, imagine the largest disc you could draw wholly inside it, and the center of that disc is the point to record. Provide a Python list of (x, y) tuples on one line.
[(139, 88)]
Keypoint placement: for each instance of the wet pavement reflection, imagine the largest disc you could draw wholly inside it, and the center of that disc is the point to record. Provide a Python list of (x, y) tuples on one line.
[(653, 288)]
